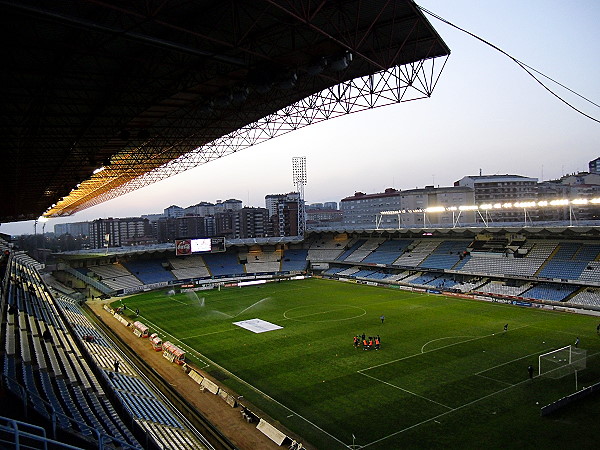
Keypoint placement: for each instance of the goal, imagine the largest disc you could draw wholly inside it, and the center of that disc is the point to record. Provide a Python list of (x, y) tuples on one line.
[(562, 362)]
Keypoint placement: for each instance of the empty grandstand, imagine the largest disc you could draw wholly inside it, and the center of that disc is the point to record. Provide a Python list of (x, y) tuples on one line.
[(259, 260), (186, 268), (77, 383), (62, 366), (294, 260), (493, 262)]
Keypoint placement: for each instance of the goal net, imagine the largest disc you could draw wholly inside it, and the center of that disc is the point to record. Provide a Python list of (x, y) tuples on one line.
[(562, 362)]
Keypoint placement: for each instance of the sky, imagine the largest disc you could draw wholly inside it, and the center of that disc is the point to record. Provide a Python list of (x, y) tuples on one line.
[(486, 114)]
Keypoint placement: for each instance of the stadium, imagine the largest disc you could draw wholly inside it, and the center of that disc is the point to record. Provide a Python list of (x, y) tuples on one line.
[(407, 337)]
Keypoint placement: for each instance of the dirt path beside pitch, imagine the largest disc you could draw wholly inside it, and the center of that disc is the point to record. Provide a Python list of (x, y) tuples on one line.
[(226, 419)]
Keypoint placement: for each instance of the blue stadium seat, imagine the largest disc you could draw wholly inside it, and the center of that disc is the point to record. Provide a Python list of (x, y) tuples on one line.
[(550, 291), (388, 252), (424, 279), (35, 396), (146, 408), (130, 384), (223, 264), (294, 260), (53, 399), (445, 256), (149, 271), (565, 270), (349, 251)]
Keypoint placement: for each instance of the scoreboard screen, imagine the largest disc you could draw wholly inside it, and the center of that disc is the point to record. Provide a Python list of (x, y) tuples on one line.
[(200, 245), (204, 245)]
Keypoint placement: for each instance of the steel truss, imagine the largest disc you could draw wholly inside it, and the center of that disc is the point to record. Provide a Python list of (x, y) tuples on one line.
[(398, 84)]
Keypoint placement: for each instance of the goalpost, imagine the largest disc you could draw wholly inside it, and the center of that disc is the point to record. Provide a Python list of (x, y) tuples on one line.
[(562, 362)]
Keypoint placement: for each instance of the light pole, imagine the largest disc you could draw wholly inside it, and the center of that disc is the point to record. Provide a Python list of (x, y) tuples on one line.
[(43, 220), (34, 250), (299, 175)]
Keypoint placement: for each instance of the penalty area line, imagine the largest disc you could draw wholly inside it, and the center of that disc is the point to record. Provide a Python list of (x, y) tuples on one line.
[(434, 350), (406, 390), (493, 379), (434, 418), (512, 361)]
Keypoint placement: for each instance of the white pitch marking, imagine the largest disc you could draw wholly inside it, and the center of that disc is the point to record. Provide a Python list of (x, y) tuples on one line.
[(442, 338), (407, 391), (451, 411), (213, 332), (429, 351), (341, 308), (516, 359), (493, 379), (241, 380), (179, 301)]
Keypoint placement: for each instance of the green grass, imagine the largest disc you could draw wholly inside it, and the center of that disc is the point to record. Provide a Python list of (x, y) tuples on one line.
[(446, 375)]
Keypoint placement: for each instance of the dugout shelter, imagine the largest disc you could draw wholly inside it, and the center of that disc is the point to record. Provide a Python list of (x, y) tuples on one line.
[(156, 342), (140, 330), (173, 353)]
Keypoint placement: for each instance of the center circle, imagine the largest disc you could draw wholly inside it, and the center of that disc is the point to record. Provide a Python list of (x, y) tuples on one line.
[(324, 313)]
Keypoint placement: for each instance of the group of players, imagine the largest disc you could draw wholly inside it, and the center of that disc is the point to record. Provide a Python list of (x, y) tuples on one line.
[(372, 342)]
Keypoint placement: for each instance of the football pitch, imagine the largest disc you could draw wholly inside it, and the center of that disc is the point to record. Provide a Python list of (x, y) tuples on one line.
[(446, 375)]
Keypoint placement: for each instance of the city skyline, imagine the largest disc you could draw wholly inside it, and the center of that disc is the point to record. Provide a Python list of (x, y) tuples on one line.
[(204, 202), (485, 114)]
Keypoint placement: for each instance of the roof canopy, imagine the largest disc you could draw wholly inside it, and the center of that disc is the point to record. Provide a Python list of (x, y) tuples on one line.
[(131, 86)]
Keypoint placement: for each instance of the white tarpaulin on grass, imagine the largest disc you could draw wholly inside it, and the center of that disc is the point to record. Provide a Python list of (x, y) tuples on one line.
[(257, 325)]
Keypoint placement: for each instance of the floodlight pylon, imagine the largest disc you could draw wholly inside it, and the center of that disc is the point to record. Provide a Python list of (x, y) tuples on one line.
[(299, 175)]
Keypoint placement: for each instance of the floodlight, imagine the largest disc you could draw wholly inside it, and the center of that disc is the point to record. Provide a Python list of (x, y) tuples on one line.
[(497, 205), (452, 208), (560, 202), (340, 63), (579, 201), (543, 203), (317, 67), (434, 209), (524, 204), (287, 80), (468, 208), (486, 206), (595, 200)]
